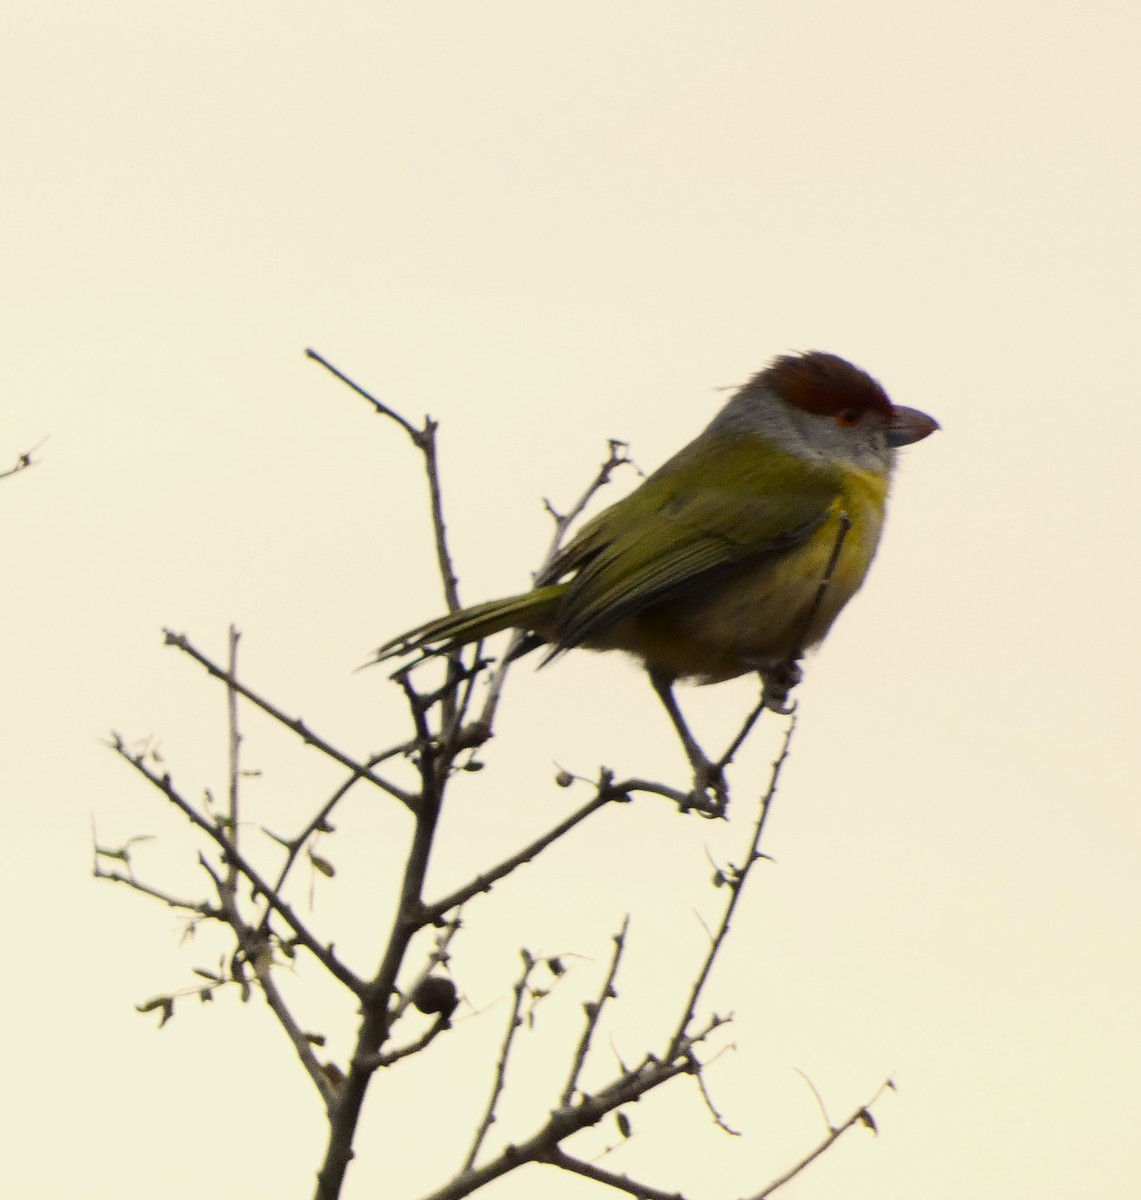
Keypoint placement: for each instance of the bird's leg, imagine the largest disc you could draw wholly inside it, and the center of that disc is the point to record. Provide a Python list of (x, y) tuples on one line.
[(706, 775)]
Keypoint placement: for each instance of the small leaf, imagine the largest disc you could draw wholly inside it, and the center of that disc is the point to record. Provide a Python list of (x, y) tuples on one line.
[(163, 1003), (867, 1119), (623, 1124), (564, 779), (323, 865)]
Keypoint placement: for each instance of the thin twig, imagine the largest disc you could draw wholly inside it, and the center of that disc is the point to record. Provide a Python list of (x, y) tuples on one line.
[(383, 409), (235, 741), (623, 1183), (258, 954), (860, 1116), (295, 724), (630, 1086), (294, 846), (816, 1093), (736, 886), (513, 1024), (200, 908), (318, 1074), (23, 461), (425, 441), (718, 1119), (615, 459), (594, 1013), (487, 879), (323, 954), (433, 1031)]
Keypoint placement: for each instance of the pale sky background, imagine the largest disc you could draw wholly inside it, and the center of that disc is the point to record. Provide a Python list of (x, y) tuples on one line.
[(547, 224)]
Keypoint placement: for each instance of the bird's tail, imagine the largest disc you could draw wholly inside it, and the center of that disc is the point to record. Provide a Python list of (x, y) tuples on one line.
[(479, 621)]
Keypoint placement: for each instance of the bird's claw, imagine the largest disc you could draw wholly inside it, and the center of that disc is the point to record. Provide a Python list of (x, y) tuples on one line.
[(777, 680)]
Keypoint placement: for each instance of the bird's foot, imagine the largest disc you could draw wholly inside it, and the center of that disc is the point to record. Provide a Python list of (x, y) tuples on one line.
[(778, 678)]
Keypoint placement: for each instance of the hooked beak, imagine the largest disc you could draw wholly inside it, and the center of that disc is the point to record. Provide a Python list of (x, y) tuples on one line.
[(909, 425)]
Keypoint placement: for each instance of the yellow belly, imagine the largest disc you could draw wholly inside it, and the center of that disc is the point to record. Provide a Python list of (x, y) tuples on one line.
[(729, 625)]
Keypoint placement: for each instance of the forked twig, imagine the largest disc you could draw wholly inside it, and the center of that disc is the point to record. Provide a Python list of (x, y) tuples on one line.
[(563, 521), (425, 441), (500, 1079), (860, 1116), (594, 1013), (295, 724), (736, 885)]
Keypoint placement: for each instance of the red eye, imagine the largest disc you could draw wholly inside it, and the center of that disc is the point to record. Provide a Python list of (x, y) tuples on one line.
[(849, 416)]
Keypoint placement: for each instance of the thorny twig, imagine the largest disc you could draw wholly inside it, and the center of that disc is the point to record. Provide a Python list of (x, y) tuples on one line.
[(513, 1024), (616, 458), (425, 441), (594, 1013), (487, 879), (622, 1183), (735, 883), (860, 1116), (235, 752), (630, 1086), (323, 954), (295, 724), (23, 461)]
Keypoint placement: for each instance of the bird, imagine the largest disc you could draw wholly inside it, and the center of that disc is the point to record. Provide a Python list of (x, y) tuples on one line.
[(737, 554)]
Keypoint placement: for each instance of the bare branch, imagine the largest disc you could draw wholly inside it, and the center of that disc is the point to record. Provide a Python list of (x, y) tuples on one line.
[(258, 952), (235, 744), (513, 1024), (615, 459), (378, 407), (320, 1076), (295, 724), (594, 1013), (860, 1116), (425, 441), (736, 886), (323, 954), (651, 1073), (199, 908), (433, 1031), (718, 1119), (294, 846), (623, 1183), (485, 881), (23, 461), (376, 1024)]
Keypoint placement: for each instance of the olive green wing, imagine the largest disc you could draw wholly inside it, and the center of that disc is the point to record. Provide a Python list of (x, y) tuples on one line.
[(716, 505)]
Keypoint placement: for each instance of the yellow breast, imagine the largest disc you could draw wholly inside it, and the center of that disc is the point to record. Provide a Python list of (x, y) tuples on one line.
[(761, 611)]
